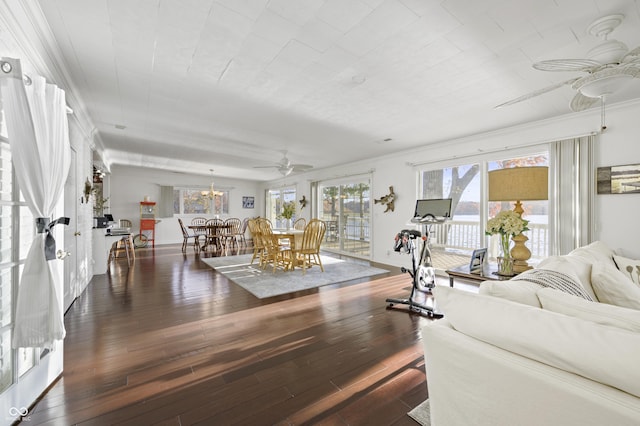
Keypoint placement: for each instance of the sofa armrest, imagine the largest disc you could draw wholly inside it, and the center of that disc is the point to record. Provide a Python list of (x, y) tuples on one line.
[(472, 382)]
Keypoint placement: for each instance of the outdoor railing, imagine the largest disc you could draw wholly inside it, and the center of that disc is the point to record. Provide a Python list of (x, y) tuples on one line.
[(454, 234), (465, 235)]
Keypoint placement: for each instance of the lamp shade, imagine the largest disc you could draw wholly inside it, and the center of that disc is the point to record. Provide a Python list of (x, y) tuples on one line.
[(519, 184)]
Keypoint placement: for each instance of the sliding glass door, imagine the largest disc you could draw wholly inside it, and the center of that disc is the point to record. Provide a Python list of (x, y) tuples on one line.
[(345, 207), (276, 199)]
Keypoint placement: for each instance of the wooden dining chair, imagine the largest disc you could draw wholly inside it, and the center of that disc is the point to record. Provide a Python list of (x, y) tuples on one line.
[(243, 231), (214, 233), (308, 254), (199, 221), (186, 236), (300, 223), (273, 252), (256, 238), (123, 245), (231, 233)]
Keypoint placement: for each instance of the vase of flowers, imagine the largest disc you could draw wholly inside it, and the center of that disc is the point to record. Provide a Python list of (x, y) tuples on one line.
[(506, 224), (288, 211)]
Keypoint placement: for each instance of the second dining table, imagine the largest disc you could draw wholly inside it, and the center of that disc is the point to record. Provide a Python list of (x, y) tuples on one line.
[(209, 231)]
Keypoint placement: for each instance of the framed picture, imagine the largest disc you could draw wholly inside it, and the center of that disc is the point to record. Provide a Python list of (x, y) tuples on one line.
[(618, 179), (247, 202), (477, 261)]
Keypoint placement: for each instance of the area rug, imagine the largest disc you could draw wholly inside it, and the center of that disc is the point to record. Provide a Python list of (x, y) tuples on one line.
[(264, 283), (421, 414)]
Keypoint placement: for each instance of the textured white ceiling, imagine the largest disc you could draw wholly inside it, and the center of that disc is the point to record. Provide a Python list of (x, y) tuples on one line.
[(227, 84)]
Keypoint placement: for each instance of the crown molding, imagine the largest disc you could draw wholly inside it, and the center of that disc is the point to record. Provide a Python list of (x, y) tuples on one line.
[(26, 24)]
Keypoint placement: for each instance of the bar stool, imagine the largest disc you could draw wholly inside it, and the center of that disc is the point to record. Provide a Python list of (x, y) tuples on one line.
[(124, 244)]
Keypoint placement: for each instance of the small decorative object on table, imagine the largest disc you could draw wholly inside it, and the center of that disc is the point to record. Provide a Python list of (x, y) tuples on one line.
[(506, 224), (477, 261)]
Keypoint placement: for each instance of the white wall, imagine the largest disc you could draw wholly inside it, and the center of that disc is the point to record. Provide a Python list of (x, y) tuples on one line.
[(617, 221), (129, 185)]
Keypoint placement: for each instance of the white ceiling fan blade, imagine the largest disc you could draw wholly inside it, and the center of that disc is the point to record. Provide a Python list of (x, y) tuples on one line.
[(567, 65), (632, 56), (301, 167), (538, 92), (581, 102)]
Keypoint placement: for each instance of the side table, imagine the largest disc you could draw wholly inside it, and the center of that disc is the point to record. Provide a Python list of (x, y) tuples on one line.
[(487, 274)]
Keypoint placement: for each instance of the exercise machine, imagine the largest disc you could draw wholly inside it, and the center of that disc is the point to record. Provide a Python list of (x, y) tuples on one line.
[(416, 244), (422, 273)]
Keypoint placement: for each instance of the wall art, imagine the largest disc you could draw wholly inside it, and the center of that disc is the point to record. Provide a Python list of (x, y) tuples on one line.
[(618, 179)]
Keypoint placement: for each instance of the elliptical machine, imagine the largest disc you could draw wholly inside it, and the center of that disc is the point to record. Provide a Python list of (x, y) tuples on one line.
[(422, 272)]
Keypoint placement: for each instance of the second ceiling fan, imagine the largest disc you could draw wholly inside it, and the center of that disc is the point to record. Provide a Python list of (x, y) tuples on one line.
[(286, 167)]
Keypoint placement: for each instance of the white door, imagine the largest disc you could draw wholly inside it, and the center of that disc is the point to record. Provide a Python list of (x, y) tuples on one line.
[(72, 196)]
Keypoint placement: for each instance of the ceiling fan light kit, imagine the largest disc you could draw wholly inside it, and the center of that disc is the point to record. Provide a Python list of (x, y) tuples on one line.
[(605, 82), (610, 68)]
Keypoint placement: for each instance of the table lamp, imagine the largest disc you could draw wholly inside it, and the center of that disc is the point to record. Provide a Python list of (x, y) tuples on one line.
[(519, 184)]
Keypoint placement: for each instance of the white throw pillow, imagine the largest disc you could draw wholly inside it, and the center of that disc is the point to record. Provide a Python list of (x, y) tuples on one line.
[(601, 313), (554, 279), (613, 287), (629, 267), (594, 252), (607, 355), (575, 266)]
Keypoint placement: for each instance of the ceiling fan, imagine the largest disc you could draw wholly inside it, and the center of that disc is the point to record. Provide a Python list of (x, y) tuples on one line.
[(285, 167), (610, 66)]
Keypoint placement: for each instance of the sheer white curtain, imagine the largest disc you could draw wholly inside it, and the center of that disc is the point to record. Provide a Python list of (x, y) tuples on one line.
[(572, 194), (39, 137)]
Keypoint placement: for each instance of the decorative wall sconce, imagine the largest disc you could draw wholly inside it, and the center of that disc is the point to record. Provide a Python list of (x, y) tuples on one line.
[(87, 190), (303, 202)]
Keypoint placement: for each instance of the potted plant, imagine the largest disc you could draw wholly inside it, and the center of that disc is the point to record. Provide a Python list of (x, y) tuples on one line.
[(99, 202)]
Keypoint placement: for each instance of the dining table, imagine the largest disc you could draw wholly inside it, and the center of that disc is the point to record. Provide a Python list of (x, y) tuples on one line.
[(294, 236), (208, 230)]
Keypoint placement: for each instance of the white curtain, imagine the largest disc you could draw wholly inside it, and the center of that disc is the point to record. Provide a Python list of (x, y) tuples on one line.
[(39, 137), (572, 194)]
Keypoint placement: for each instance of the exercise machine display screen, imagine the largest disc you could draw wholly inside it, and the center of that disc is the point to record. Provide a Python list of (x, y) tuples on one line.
[(438, 208)]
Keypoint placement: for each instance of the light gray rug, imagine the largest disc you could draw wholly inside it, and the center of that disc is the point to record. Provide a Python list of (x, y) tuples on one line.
[(264, 283), (421, 414)]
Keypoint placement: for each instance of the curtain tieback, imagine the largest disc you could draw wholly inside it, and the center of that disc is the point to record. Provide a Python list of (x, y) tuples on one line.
[(43, 224)]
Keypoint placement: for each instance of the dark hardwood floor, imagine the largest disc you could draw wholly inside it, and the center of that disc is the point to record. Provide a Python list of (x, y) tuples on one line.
[(170, 341)]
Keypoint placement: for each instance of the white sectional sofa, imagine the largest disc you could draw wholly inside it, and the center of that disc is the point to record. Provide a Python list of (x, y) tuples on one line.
[(521, 353)]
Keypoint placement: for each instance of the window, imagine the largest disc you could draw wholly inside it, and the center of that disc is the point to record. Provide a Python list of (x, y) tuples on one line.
[(457, 238), (461, 184), (536, 212), (16, 235), (276, 198), (199, 202)]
